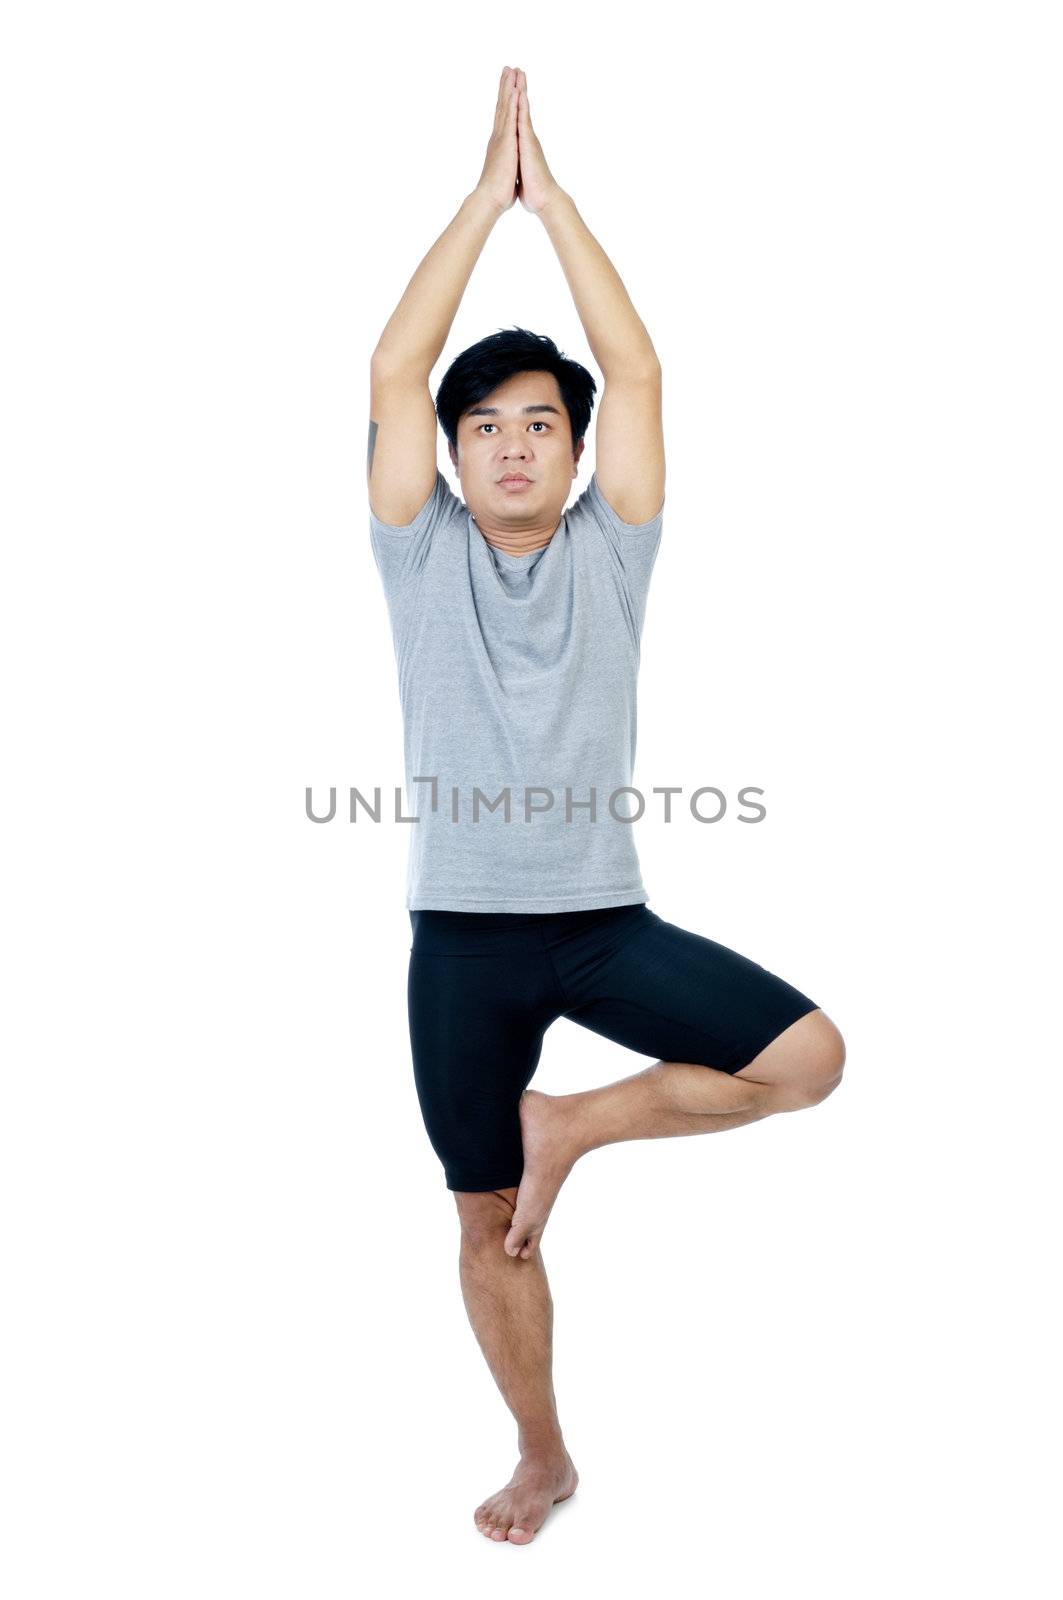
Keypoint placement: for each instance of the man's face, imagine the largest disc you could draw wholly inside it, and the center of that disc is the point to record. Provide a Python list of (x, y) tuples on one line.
[(520, 428)]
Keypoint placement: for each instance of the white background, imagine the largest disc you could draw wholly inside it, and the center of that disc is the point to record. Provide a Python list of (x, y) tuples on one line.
[(810, 1356)]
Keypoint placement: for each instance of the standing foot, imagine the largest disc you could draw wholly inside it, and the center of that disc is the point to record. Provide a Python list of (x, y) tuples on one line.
[(518, 1510)]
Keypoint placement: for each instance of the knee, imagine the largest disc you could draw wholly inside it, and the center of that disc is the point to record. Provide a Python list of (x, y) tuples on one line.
[(485, 1218), (822, 1060)]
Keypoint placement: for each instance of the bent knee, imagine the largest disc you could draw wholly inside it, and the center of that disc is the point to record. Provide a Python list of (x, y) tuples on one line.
[(486, 1217), (803, 1065), (821, 1061)]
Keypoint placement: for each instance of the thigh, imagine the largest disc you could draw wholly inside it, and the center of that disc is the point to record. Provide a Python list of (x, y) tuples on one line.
[(478, 1011), (679, 996)]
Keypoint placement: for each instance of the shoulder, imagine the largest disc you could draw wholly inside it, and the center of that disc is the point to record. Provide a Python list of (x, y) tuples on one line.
[(403, 553), (593, 505), (442, 506)]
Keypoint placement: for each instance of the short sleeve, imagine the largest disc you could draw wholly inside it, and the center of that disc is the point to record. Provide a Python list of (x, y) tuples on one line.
[(633, 545), (400, 553)]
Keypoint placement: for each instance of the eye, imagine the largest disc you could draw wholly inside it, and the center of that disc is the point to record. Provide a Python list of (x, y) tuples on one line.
[(495, 425)]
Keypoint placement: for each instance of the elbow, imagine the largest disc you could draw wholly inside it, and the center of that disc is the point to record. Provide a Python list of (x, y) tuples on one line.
[(644, 370), (386, 364)]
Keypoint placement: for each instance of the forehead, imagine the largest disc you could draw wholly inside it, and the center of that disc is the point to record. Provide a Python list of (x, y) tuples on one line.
[(525, 394)]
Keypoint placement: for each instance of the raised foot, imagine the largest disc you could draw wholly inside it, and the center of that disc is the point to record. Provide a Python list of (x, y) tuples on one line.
[(550, 1152), (516, 1512)]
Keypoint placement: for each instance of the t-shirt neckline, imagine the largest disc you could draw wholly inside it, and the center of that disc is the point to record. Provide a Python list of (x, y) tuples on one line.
[(506, 558)]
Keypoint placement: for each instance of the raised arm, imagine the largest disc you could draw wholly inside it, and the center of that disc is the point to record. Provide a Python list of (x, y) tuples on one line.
[(629, 437), (401, 461)]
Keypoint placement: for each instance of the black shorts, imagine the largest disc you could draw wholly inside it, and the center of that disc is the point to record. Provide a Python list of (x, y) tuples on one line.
[(484, 987)]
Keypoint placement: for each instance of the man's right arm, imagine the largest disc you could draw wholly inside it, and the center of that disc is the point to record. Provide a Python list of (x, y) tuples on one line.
[(401, 466), (401, 463)]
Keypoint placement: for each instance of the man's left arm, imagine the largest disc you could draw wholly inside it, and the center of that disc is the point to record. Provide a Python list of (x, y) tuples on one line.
[(629, 438)]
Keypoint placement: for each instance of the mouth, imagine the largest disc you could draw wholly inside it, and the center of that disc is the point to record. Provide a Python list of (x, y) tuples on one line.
[(514, 480)]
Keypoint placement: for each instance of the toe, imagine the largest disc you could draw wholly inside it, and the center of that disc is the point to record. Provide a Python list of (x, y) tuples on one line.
[(522, 1239), (518, 1535)]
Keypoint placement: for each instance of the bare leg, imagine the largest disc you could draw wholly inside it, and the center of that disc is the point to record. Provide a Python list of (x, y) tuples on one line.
[(798, 1068), (511, 1311), (505, 1289)]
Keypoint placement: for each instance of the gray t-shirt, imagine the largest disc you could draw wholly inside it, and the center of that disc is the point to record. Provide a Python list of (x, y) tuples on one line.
[(517, 679)]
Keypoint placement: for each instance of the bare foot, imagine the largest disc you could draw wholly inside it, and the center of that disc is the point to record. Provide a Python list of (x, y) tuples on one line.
[(516, 1511), (549, 1156)]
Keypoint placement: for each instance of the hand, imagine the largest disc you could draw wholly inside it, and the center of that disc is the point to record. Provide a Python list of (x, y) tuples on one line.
[(498, 180), (536, 184)]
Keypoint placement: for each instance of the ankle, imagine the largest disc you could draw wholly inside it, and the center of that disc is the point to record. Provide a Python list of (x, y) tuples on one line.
[(579, 1126), (541, 1444)]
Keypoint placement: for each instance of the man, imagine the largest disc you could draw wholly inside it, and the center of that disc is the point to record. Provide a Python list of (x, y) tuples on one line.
[(517, 629)]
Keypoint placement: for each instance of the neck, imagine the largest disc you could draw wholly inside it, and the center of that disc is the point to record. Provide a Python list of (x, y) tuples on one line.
[(516, 544)]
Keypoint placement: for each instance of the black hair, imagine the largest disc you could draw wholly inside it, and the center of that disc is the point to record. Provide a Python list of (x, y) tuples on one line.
[(482, 367)]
